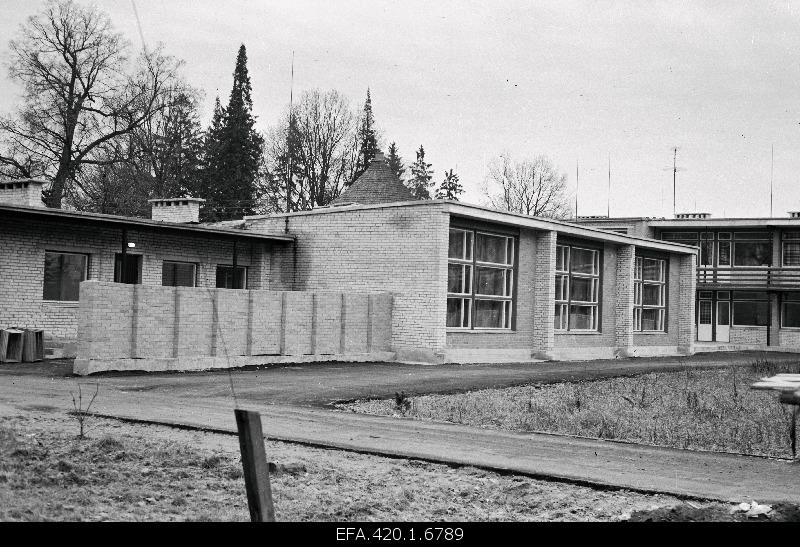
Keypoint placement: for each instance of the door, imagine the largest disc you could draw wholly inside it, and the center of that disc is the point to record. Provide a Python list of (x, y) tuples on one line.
[(723, 321), (704, 327)]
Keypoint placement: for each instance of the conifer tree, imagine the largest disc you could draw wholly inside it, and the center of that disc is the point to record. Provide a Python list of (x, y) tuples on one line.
[(396, 162), (450, 188), (367, 139), (421, 175), (234, 151)]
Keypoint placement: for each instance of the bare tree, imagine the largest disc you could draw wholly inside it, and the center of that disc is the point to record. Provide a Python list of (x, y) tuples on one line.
[(81, 92), (530, 187), (323, 147)]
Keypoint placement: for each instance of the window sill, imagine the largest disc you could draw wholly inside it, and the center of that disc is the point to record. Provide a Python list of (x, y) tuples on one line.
[(579, 332), (661, 332), (481, 331), (61, 303)]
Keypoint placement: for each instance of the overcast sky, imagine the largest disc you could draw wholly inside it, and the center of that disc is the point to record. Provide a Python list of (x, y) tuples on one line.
[(576, 81)]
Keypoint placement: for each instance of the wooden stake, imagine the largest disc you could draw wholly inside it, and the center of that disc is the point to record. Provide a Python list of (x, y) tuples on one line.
[(254, 465)]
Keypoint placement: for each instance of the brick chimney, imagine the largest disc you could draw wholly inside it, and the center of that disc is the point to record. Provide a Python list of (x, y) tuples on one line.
[(177, 210), (27, 192), (794, 214)]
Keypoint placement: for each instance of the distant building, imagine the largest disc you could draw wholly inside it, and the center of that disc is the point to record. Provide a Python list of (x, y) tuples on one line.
[(748, 274)]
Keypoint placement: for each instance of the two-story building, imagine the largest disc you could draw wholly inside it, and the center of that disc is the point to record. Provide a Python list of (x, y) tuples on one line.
[(748, 274)]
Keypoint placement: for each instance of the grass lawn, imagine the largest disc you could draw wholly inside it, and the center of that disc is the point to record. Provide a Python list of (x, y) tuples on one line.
[(132, 472), (697, 409)]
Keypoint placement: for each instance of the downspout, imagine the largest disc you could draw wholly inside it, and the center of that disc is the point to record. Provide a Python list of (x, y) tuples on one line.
[(235, 263), (124, 259)]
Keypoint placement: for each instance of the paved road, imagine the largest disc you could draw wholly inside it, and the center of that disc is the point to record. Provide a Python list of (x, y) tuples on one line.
[(319, 384), (679, 472)]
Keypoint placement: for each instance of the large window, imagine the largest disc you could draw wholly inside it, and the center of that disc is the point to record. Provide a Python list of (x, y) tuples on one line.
[(752, 249), (790, 249), (228, 278), (63, 273), (577, 288), (178, 274), (649, 294), (131, 273), (480, 280), (750, 308), (790, 310)]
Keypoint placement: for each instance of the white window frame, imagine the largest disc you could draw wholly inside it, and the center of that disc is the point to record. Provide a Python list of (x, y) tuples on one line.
[(639, 284), (470, 297), (563, 301)]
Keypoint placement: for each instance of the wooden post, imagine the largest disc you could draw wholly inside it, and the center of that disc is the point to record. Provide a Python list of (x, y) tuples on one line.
[(254, 465)]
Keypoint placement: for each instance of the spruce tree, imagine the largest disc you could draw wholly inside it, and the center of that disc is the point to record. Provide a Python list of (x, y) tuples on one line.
[(367, 139), (234, 151), (396, 162), (421, 175), (450, 188)]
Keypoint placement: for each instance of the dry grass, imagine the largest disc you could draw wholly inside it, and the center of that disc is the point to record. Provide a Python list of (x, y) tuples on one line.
[(126, 472), (696, 409)]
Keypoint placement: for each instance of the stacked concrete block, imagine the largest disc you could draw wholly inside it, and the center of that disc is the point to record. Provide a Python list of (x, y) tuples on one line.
[(355, 313), (265, 326), (327, 323), (230, 324)]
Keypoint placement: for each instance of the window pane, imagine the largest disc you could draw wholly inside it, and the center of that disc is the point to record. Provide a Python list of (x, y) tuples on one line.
[(651, 294), (489, 314), (581, 317), (750, 313), (749, 295), (793, 296), (458, 278), (751, 253), (582, 289), (791, 314), (457, 312), (706, 253), (456, 245), (562, 282), (653, 270), (562, 252), (490, 248), (791, 253), (226, 280), (583, 260), (177, 274), (63, 273), (560, 322), (652, 319), (490, 281), (724, 249), (133, 269)]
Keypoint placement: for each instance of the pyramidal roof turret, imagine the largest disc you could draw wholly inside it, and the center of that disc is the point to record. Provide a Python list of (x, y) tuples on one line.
[(378, 184)]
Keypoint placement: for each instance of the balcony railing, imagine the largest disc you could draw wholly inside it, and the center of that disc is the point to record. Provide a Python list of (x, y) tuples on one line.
[(748, 278)]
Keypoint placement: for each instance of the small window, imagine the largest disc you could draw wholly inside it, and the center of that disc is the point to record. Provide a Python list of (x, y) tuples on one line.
[(577, 283), (227, 279), (63, 273), (790, 249), (132, 273), (178, 274), (650, 294), (750, 309), (790, 310)]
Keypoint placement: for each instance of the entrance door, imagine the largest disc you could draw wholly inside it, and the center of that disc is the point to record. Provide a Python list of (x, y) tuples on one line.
[(704, 327), (723, 321)]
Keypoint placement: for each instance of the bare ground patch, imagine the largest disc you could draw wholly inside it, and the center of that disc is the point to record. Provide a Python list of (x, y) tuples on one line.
[(133, 472)]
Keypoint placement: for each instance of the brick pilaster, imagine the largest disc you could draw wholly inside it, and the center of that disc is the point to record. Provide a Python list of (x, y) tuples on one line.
[(623, 305), (686, 314), (544, 294)]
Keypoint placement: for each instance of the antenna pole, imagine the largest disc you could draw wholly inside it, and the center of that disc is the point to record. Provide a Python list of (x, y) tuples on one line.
[(674, 174), (771, 175), (289, 152), (577, 185), (608, 202)]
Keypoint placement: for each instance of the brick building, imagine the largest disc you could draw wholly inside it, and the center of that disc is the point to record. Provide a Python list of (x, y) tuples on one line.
[(466, 283), (46, 253), (471, 284), (748, 275)]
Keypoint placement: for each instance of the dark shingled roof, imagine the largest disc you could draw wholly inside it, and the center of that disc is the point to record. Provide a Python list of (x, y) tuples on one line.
[(378, 184)]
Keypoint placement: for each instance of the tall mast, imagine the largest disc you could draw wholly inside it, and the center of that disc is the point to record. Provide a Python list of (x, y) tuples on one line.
[(288, 143)]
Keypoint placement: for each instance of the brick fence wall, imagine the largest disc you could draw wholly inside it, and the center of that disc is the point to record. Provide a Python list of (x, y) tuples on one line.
[(139, 327)]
